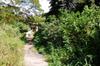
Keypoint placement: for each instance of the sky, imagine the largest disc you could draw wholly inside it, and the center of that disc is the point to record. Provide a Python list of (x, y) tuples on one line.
[(45, 5)]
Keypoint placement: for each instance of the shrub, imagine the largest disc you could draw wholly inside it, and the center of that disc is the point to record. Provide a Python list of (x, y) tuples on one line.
[(71, 39)]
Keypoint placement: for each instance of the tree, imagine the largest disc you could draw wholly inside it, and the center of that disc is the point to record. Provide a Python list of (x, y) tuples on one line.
[(73, 5)]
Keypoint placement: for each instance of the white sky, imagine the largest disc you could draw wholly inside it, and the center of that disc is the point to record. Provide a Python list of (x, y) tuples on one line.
[(45, 5)]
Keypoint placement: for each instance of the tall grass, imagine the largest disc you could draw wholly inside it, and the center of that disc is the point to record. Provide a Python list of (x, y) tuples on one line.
[(10, 46)]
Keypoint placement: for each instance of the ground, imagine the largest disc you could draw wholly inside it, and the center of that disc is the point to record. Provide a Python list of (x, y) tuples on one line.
[(32, 57)]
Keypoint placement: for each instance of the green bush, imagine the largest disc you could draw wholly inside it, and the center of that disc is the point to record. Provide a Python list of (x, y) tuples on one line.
[(81, 36), (71, 39)]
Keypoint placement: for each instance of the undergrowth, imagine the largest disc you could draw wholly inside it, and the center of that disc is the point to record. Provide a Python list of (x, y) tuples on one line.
[(71, 38), (11, 53)]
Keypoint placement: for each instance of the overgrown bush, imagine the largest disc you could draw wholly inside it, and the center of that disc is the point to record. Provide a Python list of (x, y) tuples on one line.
[(71, 39)]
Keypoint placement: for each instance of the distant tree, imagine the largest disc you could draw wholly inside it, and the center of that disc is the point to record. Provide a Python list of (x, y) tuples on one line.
[(73, 5), (36, 3)]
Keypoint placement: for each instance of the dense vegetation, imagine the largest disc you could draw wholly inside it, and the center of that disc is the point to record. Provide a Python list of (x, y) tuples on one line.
[(11, 45), (69, 35)]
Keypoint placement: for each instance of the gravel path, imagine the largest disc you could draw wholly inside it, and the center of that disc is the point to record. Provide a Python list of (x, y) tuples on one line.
[(33, 58)]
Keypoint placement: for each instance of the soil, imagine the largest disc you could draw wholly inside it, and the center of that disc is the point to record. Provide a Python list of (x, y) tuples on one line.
[(32, 57)]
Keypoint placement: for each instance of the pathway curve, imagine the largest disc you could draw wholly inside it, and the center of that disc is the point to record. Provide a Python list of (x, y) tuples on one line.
[(32, 57)]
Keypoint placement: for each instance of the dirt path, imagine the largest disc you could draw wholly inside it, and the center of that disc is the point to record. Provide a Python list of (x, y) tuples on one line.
[(33, 58)]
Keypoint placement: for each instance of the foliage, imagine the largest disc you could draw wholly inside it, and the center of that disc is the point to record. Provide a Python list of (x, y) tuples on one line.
[(72, 5), (37, 4), (11, 45), (71, 39), (17, 1)]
